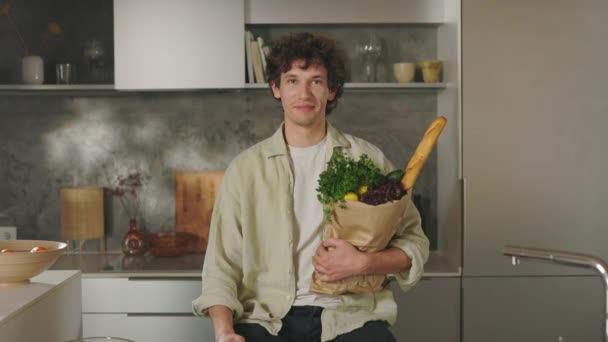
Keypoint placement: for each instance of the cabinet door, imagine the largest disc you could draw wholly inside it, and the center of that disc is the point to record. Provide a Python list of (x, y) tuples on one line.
[(139, 295), (148, 328), (533, 309), (179, 44), (429, 312), (344, 11), (534, 131)]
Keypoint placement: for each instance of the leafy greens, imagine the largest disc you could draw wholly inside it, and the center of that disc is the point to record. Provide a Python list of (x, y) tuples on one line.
[(344, 174)]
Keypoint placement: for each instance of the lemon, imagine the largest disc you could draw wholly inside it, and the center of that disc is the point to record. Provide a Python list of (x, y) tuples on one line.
[(351, 196), (362, 189)]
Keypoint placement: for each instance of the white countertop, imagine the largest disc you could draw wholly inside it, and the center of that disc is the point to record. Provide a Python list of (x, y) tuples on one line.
[(15, 298), (109, 265)]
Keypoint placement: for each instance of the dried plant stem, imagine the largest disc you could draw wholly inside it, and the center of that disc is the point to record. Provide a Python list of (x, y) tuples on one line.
[(136, 204), (23, 45), (124, 205)]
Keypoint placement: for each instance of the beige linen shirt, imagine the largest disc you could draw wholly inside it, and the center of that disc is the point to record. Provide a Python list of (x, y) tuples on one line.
[(249, 264)]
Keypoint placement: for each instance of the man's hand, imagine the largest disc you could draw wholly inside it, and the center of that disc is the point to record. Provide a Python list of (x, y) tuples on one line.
[(337, 259), (231, 338)]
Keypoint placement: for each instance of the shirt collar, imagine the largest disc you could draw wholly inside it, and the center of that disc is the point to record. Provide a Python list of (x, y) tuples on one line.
[(277, 146)]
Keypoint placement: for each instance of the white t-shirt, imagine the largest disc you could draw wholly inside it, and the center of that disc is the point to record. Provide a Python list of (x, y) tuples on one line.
[(307, 163)]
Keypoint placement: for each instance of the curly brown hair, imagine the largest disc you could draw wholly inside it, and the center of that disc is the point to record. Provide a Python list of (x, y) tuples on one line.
[(313, 49)]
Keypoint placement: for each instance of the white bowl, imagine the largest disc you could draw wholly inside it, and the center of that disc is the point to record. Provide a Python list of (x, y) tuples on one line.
[(21, 265)]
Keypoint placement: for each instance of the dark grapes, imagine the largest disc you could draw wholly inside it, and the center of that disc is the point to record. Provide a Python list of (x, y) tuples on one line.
[(386, 192)]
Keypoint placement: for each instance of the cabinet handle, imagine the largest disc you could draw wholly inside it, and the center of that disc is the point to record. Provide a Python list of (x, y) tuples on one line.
[(176, 314), (156, 278), (463, 200)]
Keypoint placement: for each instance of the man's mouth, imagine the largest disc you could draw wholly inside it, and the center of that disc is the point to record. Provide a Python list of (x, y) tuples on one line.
[(305, 108)]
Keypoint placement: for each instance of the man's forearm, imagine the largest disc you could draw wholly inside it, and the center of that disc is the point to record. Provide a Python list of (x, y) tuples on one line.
[(390, 260), (221, 316)]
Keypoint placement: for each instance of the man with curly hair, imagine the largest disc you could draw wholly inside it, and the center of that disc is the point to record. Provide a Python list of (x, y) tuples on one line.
[(265, 236)]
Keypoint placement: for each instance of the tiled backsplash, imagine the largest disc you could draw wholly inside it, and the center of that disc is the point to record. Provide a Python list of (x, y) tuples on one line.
[(49, 142)]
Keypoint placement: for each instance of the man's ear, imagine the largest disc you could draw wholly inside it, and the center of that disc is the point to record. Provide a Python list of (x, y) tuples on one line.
[(275, 90), (332, 95)]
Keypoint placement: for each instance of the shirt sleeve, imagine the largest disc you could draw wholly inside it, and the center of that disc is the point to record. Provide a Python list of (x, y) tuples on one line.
[(409, 238), (222, 269)]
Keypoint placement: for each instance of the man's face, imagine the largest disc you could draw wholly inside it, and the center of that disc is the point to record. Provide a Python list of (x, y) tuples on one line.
[(304, 94)]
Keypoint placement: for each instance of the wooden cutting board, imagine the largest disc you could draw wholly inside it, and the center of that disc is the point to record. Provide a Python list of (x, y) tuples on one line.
[(194, 198)]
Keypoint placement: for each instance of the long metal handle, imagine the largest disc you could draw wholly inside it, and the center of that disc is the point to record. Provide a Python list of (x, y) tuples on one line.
[(564, 258)]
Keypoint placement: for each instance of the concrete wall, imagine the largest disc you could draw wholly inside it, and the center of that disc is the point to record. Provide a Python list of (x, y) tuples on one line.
[(51, 141)]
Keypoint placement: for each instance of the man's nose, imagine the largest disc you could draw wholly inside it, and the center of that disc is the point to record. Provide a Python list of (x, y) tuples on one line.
[(305, 90)]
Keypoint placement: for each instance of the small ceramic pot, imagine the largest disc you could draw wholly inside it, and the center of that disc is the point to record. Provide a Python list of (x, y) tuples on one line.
[(32, 70), (404, 72), (431, 71)]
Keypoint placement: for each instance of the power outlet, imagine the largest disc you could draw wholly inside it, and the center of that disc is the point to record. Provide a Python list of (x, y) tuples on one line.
[(8, 233)]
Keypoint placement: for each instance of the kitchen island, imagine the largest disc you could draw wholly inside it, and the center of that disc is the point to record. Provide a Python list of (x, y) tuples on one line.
[(48, 308)]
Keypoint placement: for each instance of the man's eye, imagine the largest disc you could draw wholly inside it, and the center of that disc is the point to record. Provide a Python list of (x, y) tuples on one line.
[(291, 81), (318, 81)]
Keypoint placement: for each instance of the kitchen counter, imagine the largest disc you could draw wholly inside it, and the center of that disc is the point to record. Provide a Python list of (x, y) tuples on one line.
[(185, 266), (49, 301), (118, 265)]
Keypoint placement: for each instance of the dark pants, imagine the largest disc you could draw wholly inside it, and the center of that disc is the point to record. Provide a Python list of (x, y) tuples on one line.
[(303, 324)]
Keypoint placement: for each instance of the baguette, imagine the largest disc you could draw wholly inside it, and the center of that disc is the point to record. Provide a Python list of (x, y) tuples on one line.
[(422, 152)]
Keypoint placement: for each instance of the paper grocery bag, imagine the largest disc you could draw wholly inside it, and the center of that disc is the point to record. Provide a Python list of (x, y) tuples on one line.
[(369, 228)]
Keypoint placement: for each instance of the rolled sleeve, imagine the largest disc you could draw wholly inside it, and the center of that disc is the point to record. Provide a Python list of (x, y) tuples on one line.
[(217, 291), (411, 239), (222, 269)]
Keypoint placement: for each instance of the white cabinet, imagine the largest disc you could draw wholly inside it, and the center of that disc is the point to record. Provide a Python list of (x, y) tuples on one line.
[(149, 328), (143, 309), (180, 44), (139, 295), (344, 11)]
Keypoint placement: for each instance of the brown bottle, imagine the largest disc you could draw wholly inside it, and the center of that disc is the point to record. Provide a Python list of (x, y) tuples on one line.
[(134, 243)]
